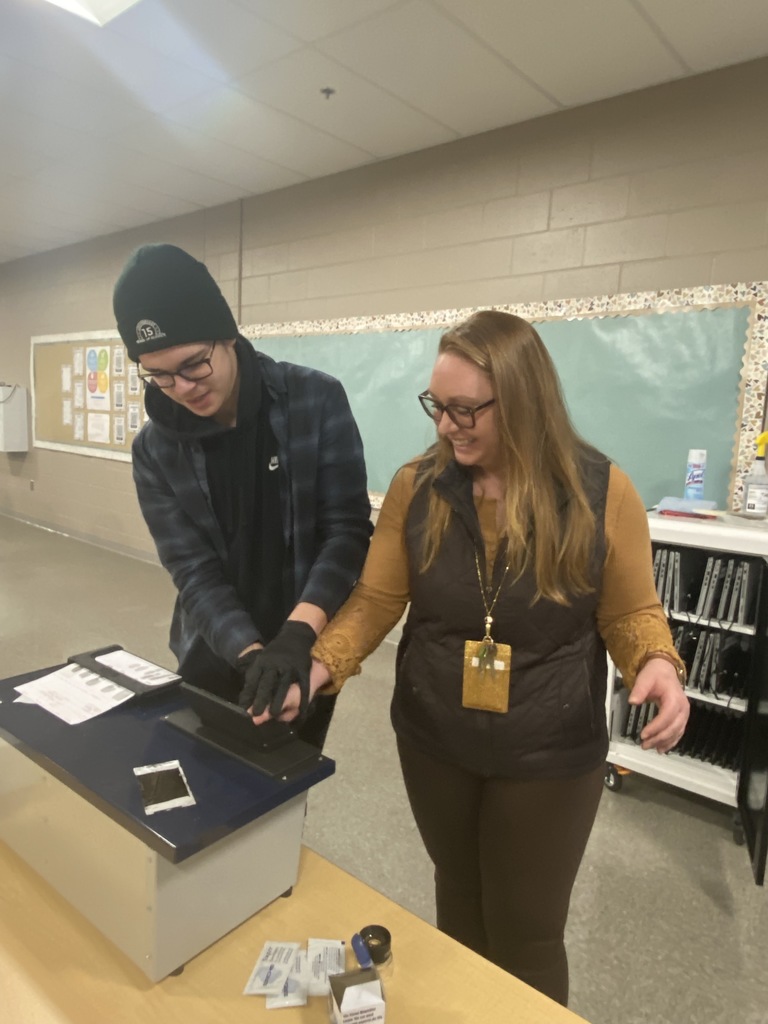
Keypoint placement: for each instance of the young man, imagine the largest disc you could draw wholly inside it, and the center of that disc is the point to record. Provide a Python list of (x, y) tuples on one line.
[(250, 476)]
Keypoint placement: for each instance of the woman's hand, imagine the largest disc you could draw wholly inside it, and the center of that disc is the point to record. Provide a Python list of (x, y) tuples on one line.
[(319, 676), (657, 681)]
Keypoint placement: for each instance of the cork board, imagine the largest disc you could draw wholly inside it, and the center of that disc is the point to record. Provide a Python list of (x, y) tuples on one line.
[(86, 395)]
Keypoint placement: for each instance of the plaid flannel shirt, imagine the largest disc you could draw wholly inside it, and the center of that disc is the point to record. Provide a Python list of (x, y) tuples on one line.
[(324, 500)]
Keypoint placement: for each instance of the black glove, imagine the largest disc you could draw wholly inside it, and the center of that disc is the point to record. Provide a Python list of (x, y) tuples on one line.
[(269, 672)]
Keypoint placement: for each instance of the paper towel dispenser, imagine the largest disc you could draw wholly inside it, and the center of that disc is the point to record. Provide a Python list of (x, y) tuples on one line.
[(14, 432)]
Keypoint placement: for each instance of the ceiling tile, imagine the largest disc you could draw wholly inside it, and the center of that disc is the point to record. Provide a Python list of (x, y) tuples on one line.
[(610, 51), (55, 42), (232, 117), (11, 249), (19, 159), (153, 173), (187, 147), (150, 189), (358, 112), (50, 208), (72, 105), (38, 34), (313, 19), (221, 39), (156, 84), (40, 213), (424, 58), (712, 34), (44, 195), (27, 138)]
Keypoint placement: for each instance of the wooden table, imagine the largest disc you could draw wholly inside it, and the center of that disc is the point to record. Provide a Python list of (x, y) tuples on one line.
[(56, 968)]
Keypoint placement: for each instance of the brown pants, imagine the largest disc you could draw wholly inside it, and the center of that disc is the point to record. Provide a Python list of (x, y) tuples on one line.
[(506, 855)]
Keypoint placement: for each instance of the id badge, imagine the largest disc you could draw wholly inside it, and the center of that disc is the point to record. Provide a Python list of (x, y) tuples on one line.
[(486, 676)]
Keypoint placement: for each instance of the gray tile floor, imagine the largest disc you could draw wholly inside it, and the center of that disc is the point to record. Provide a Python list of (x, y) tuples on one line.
[(666, 925)]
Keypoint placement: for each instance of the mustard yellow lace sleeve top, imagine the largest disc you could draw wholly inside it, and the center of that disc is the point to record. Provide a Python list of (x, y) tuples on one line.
[(630, 618)]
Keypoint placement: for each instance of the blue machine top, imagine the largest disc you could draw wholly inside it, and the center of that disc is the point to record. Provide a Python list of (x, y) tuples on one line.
[(96, 759)]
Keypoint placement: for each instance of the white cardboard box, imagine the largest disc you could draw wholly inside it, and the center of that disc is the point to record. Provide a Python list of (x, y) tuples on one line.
[(357, 997)]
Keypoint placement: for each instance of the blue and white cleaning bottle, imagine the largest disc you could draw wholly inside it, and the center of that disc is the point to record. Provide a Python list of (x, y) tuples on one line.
[(694, 474)]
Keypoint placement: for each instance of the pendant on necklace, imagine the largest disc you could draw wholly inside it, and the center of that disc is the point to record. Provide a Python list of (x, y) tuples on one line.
[(486, 656)]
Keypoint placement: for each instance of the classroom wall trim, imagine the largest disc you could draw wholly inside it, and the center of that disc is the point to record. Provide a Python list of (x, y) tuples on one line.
[(723, 409), (684, 383)]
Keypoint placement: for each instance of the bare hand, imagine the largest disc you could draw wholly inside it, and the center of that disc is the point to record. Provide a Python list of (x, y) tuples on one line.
[(657, 681)]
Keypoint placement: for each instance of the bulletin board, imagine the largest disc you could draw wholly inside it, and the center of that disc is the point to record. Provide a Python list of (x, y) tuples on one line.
[(86, 394)]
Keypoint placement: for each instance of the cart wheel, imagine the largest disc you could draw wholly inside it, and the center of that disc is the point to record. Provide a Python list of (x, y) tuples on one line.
[(738, 831), (612, 778)]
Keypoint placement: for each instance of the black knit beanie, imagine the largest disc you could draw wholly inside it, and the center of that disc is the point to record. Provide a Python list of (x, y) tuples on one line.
[(165, 297)]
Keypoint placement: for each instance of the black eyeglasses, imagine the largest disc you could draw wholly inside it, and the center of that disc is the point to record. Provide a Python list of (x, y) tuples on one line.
[(192, 372), (461, 415)]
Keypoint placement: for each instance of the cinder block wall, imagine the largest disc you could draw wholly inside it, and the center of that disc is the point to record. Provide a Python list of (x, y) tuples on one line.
[(663, 188)]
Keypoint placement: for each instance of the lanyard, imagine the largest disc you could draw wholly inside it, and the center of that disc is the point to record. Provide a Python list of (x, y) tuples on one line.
[(488, 650)]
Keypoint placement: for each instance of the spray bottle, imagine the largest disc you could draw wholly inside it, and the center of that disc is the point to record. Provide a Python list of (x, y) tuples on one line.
[(756, 484), (694, 474)]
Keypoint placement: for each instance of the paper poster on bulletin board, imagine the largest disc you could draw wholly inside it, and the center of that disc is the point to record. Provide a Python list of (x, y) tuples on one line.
[(86, 396)]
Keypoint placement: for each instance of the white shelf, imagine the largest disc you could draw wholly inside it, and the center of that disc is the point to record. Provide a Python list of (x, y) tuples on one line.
[(684, 772), (729, 703), (730, 533), (724, 626)]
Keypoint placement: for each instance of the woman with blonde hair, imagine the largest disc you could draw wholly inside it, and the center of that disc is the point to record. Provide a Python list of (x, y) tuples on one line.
[(524, 554)]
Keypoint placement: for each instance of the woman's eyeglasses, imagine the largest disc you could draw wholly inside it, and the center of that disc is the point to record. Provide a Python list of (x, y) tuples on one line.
[(461, 415), (191, 372)]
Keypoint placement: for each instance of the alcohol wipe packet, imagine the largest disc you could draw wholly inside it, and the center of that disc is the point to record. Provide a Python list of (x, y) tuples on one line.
[(324, 958), (272, 969), (294, 991)]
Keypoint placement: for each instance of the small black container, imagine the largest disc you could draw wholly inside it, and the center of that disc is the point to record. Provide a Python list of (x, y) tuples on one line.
[(378, 942)]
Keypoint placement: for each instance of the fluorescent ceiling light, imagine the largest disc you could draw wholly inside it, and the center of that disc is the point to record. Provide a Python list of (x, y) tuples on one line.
[(97, 11)]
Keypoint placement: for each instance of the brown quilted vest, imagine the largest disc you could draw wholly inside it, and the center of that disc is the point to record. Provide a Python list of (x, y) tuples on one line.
[(556, 723)]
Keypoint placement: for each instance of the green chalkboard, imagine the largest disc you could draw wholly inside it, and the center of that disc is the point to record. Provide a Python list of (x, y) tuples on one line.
[(646, 389), (382, 374), (643, 388)]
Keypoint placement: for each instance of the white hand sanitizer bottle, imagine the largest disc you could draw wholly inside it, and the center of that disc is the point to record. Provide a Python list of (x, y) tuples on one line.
[(756, 484)]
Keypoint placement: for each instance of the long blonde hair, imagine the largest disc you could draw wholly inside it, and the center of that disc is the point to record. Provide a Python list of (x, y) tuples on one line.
[(547, 519)]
